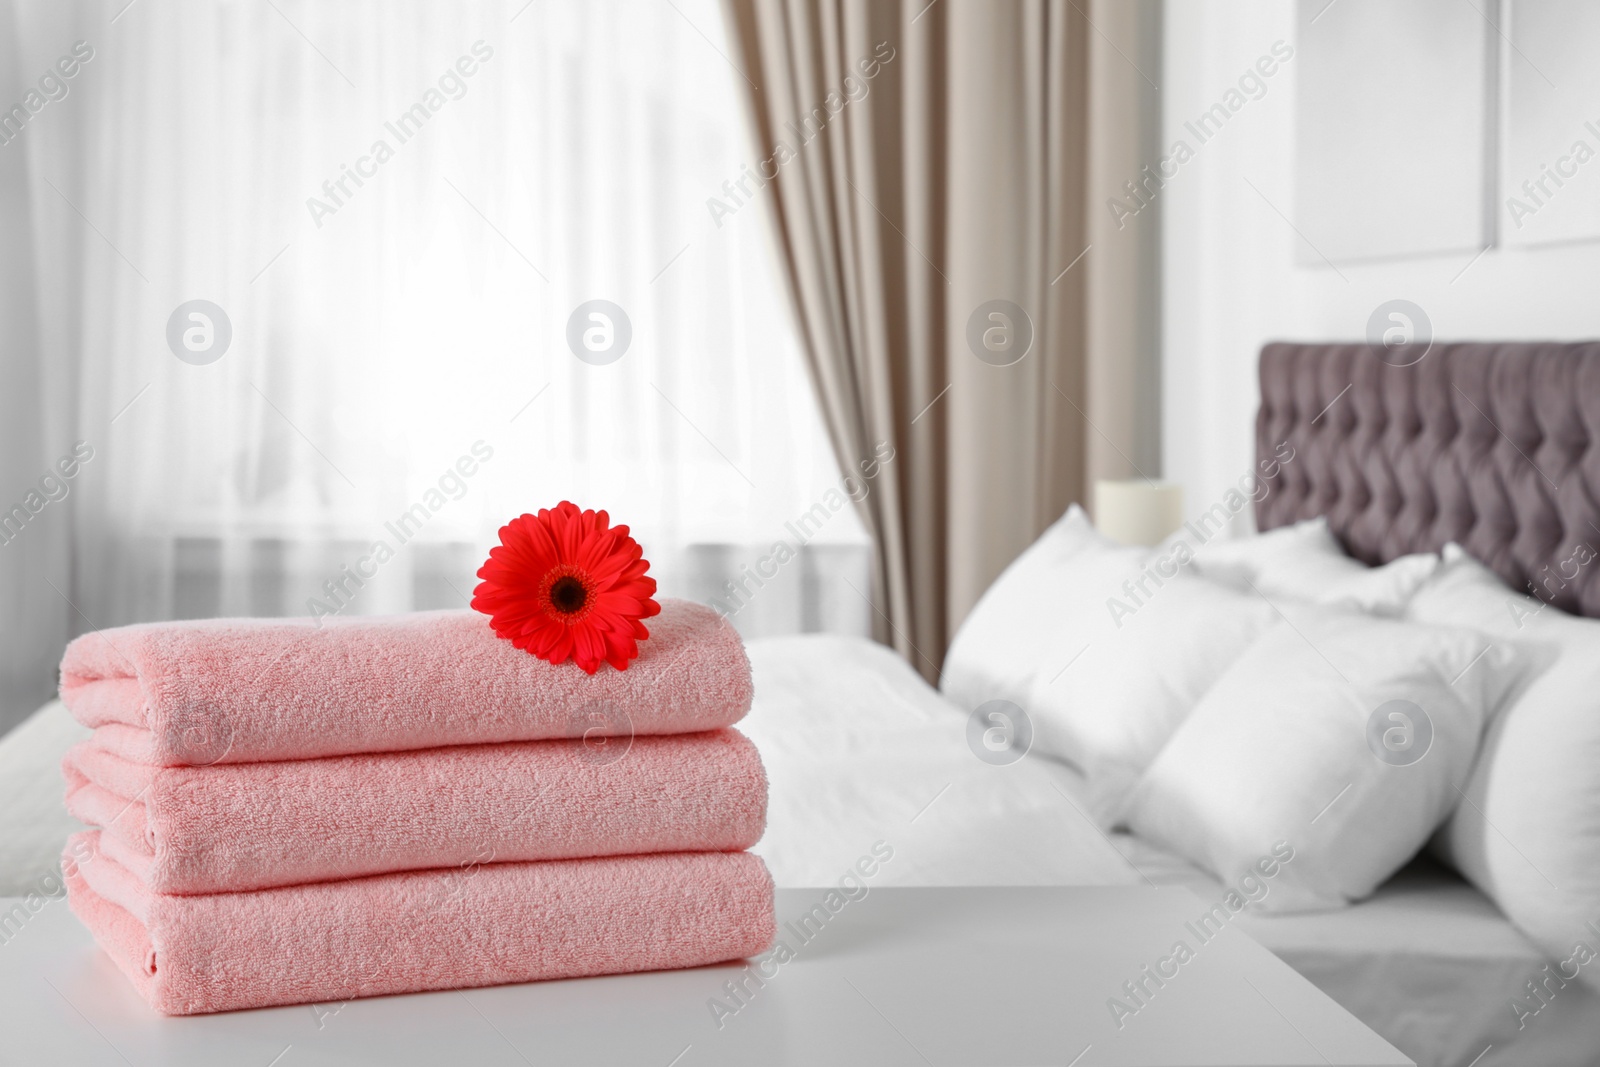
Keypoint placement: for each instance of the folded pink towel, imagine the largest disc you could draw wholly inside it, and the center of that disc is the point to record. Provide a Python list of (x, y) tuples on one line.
[(401, 933), (246, 690), (257, 825)]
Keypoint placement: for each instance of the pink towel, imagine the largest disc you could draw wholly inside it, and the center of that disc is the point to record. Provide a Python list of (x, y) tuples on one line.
[(401, 933), (258, 825), (246, 690)]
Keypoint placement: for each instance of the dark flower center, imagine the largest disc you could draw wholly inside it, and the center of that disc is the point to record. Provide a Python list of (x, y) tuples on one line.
[(568, 595)]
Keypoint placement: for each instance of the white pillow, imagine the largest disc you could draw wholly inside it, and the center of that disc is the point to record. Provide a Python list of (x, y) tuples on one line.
[(1297, 745), (1306, 562), (1018, 628), (1130, 673), (1104, 648), (1528, 832)]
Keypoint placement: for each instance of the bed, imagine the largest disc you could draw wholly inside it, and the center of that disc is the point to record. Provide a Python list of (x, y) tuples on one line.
[(1401, 456), (867, 751), (1403, 451)]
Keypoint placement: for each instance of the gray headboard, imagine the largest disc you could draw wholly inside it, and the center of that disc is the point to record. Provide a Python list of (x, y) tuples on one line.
[(1495, 446)]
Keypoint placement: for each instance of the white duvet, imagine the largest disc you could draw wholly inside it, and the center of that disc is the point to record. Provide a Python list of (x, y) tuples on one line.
[(858, 749)]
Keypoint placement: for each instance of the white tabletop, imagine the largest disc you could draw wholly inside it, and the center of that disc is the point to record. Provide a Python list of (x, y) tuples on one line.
[(901, 976)]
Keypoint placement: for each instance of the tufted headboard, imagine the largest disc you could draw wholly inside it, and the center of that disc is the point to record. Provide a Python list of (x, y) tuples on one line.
[(1495, 446)]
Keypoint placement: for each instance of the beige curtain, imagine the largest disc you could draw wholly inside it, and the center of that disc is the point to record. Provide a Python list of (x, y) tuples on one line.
[(927, 162)]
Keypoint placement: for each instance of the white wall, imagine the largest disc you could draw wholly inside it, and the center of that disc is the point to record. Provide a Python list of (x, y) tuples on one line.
[(1229, 276)]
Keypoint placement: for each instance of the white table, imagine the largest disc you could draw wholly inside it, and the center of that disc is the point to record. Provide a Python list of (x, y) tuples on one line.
[(902, 976)]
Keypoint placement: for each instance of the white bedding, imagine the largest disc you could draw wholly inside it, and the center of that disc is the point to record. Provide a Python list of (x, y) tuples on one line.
[(856, 744), (859, 749), (34, 824)]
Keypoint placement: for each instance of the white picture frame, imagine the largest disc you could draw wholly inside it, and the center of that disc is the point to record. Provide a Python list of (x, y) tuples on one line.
[(1395, 124), (1549, 182)]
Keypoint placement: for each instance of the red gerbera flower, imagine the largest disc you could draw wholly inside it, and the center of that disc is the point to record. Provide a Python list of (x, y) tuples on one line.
[(566, 584)]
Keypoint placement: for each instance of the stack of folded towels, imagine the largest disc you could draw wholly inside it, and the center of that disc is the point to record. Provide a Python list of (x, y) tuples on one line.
[(289, 813)]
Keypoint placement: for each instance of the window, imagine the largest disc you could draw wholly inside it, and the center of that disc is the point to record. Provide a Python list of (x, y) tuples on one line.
[(397, 216)]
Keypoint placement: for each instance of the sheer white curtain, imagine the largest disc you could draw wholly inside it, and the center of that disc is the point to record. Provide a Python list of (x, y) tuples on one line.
[(398, 207)]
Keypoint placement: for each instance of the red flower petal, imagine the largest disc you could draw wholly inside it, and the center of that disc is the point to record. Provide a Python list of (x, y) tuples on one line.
[(566, 584)]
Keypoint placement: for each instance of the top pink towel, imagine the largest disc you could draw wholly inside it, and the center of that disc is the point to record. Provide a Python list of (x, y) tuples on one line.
[(250, 690)]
